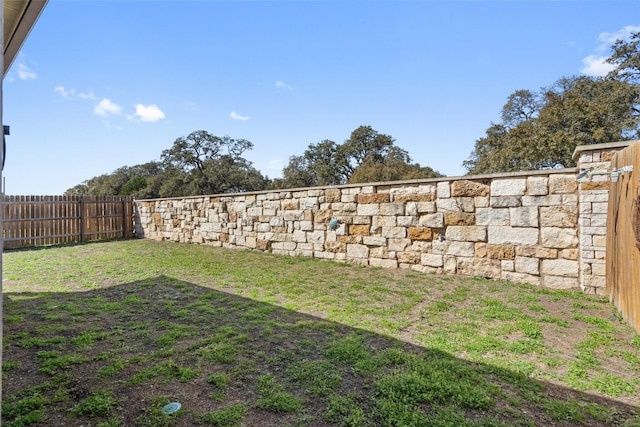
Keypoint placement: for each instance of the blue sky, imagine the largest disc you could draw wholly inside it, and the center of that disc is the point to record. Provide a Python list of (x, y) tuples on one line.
[(103, 84)]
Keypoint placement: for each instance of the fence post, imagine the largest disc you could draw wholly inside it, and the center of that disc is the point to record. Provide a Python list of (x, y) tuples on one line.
[(81, 213)]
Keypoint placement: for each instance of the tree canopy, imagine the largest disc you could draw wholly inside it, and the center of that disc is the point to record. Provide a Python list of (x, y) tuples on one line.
[(366, 156), (203, 163), (540, 130)]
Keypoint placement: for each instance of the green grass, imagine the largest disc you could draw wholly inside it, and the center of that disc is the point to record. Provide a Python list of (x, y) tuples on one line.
[(107, 334)]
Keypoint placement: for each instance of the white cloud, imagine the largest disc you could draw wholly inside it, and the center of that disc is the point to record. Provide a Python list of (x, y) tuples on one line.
[(63, 92), (607, 39), (25, 73), (149, 113), (106, 107), (87, 95), (596, 66), (283, 85), (236, 116)]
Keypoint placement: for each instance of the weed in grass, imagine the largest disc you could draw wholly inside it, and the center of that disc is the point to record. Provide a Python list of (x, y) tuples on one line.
[(537, 308), (230, 416), (527, 346), (560, 410), (219, 381), (41, 342), (320, 378), (273, 397), (350, 349), (114, 367), (87, 338), (98, 404), (52, 361), (439, 306), (613, 385), (601, 323), (9, 366), (529, 328), (167, 369), (496, 309), (218, 352), (25, 411), (556, 320), (344, 411)]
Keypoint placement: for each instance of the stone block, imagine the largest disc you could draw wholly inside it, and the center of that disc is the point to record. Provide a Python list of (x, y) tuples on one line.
[(332, 195), (290, 205), (480, 250), (350, 239), (459, 218), (559, 267), (413, 197), (568, 253), (558, 216), (480, 267), (527, 265), (481, 201), (368, 209), (516, 277), (383, 263), (431, 260), (520, 236), (398, 245), (359, 230), (562, 184), (447, 205), (466, 233), (394, 232), (323, 216), (594, 185), (465, 188), (507, 265), (357, 251), (550, 200), (435, 220), (508, 187), (409, 257), (384, 221), (465, 249), (491, 216), (501, 252), (379, 252), (450, 264), (419, 233), (391, 209), (524, 216), (374, 198), (559, 238), (443, 190), (537, 186), (316, 237), (374, 241), (335, 246), (426, 207), (505, 201), (407, 221)]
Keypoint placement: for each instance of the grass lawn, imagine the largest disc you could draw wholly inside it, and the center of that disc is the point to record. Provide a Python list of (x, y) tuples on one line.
[(107, 334)]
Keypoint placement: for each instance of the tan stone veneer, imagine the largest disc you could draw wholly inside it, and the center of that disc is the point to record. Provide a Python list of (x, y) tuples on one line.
[(539, 227)]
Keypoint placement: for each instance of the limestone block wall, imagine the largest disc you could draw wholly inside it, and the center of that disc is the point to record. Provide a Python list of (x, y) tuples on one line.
[(517, 227), (543, 227)]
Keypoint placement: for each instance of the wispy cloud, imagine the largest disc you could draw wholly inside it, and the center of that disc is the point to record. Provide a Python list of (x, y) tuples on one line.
[(236, 116), (283, 85), (25, 73), (88, 95), (107, 107), (64, 92), (149, 113), (594, 64)]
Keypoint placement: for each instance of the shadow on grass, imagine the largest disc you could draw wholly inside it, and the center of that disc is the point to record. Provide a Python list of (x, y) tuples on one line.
[(115, 356)]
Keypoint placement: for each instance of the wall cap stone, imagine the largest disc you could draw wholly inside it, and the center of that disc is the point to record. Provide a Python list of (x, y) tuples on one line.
[(600, 147)]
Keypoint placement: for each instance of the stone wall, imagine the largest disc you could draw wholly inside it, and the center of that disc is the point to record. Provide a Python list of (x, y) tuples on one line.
[(542, 227)]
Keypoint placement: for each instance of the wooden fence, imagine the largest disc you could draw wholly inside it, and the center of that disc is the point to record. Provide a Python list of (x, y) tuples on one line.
[(623, 235), (52, 220)]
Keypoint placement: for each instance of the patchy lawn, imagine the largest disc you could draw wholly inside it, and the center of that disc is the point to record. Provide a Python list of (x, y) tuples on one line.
[(107, 334)]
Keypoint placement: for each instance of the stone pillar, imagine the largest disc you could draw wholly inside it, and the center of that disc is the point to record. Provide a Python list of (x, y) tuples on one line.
[(594, 163)]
